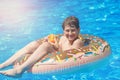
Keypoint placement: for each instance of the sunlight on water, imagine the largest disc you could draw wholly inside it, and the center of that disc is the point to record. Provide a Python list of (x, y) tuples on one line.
[(12, 11)]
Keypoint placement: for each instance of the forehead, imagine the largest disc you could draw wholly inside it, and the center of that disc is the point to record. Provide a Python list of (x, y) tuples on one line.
[(69, 27)]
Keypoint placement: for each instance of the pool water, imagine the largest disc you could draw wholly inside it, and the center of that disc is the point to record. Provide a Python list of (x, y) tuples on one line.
[(30, 20)]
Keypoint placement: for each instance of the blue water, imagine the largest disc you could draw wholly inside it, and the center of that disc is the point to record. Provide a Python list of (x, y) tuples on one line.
[(30, 20)]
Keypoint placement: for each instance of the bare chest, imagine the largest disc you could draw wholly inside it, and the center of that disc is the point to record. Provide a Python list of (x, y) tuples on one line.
[(66, 46)]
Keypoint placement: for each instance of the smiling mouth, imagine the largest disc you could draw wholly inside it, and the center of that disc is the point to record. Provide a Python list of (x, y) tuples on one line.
[(71, 37)]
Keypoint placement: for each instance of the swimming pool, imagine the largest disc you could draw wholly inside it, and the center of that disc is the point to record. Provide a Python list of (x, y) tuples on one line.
[(30, 20)]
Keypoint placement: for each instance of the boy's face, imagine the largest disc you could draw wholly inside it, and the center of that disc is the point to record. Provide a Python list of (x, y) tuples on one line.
[(71, 32)]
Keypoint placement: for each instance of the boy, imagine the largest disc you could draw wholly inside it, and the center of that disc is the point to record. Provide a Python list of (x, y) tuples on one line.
[(69, 40)]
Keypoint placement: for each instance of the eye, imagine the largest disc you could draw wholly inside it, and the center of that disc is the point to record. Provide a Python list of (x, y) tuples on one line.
[(67, 30), (73, 30)]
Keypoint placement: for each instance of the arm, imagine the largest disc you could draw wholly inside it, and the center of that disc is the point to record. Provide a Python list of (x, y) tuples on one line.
[(77, 44), (60, 45)]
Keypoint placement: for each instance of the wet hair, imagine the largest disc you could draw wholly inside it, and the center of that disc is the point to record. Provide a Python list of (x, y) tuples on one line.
[(72, 21)]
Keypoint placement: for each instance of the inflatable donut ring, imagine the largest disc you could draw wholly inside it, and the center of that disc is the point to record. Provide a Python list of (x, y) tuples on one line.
[(94, 49)]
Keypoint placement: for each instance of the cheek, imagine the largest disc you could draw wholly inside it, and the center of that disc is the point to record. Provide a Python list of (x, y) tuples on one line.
[(77, 32), (66, 34)]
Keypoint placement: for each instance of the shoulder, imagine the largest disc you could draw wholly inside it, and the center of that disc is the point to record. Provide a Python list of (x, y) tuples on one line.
[(62, 38), (78, 42)]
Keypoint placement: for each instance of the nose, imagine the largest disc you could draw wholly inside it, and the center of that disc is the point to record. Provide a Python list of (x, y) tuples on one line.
[(70, 32)]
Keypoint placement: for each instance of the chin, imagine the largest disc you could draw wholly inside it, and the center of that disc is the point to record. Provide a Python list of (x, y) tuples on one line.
[(71, 39)]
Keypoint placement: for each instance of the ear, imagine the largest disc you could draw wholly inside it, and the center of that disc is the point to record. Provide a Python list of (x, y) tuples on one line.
[(78, 29)]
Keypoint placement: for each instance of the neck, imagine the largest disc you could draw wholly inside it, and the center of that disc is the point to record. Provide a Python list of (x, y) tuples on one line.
[(71, 42)]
